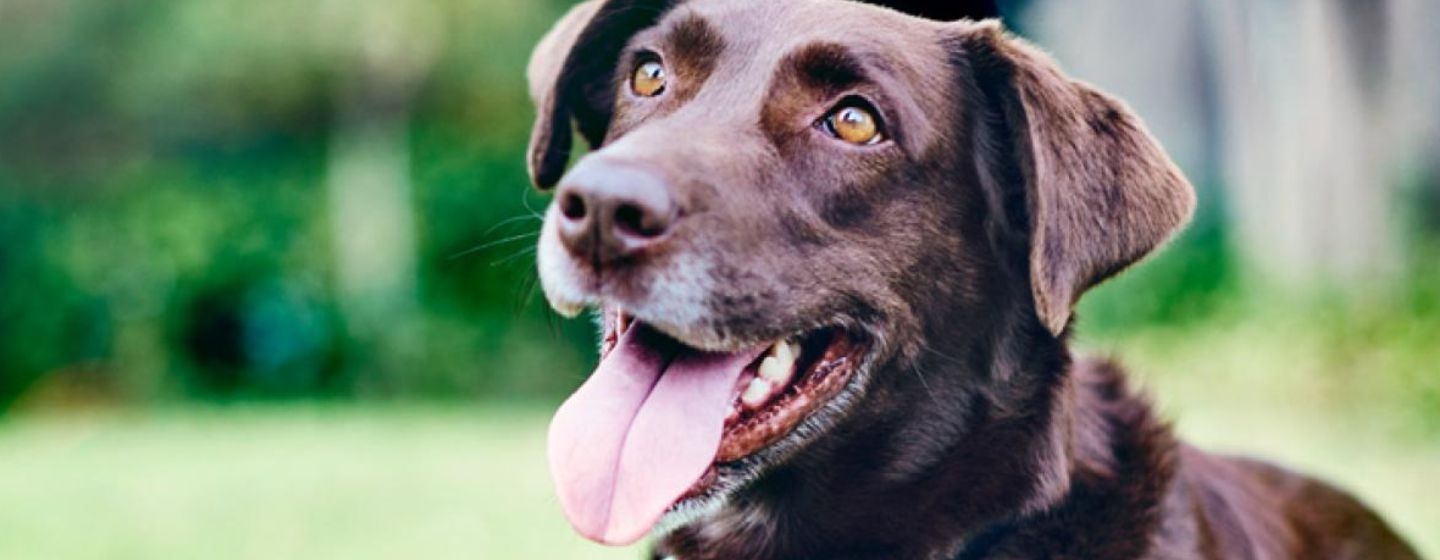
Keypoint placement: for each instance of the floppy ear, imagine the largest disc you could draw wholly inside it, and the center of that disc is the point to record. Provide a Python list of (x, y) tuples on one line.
[(571, 76), (1098, 191)]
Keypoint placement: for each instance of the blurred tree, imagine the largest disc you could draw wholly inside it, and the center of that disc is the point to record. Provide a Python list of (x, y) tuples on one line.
[(386, 51), (241, 198), (267, 198)]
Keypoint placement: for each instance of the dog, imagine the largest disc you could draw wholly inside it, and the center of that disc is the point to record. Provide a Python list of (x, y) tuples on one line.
[(835, 251)]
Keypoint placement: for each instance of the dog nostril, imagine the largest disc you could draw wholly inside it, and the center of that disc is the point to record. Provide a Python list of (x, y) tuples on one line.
[(634, 220), (572, 206)]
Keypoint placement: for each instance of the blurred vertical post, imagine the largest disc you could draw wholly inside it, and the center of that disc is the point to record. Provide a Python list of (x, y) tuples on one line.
[(386, 51), (1326, 107), (1414, 101), (1307, 111), (1305, 140)]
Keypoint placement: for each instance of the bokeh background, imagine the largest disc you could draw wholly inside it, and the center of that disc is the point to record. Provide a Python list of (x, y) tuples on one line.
[(267, 288)]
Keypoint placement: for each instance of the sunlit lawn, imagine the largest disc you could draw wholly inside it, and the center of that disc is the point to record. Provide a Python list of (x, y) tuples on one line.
[(277, 483), (274, 482)]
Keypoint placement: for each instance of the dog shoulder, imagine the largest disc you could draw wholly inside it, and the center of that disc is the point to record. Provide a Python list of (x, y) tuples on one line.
[(1291, 514)]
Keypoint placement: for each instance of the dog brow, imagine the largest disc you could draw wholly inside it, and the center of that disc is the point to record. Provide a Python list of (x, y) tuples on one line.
[(695, 40), (827, 66)]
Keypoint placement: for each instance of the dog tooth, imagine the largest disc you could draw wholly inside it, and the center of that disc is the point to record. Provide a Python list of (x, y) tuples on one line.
[(780, 365), (756, 393), (792, 349), (776, 370), (785, 350)]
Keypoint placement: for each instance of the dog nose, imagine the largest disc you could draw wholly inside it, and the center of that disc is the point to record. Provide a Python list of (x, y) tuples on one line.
[(611, 211)]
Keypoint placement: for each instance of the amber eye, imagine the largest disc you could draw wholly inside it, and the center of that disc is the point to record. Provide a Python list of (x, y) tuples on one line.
[(854, 124), (649, 79)]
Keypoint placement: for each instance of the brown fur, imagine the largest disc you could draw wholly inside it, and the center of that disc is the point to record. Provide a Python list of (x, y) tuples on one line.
[(957, 248)]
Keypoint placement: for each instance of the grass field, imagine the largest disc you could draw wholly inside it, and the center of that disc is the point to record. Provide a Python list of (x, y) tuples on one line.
[(356, 482), (282, 483)]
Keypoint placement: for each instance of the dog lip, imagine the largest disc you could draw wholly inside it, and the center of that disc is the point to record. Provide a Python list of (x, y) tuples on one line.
[(616, 316), (720, 482), (828, 363), (811, 395), (845, 354)]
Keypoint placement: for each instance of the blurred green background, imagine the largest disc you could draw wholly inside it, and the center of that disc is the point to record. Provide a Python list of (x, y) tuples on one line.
[(267, 287)]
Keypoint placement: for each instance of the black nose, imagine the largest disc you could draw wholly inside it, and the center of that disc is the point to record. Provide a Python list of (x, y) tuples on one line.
[(613, 211)]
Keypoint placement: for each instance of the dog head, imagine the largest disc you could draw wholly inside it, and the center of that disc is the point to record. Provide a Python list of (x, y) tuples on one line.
[(790, 210)]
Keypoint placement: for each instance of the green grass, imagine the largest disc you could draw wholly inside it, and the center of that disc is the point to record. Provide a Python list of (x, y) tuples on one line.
[(277, 483), (355, 482)]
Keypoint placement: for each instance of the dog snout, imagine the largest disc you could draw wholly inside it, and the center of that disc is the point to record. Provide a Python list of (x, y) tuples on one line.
[(612, 211)]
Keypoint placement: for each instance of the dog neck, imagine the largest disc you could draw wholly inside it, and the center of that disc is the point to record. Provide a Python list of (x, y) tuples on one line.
[(1122, 467), (1078, 452)]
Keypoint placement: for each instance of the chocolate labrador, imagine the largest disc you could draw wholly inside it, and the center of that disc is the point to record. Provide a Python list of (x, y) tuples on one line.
[(835, 251)]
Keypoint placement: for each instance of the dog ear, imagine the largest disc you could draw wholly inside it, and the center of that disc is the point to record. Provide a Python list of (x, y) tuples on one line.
[(1099, 193), (571, 76)]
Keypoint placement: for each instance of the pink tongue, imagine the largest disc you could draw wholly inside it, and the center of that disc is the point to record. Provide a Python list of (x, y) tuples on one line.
[(639, 433)]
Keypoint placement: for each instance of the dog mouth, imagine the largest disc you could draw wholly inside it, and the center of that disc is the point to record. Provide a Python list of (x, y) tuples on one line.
[(659, 419), (792, 378)]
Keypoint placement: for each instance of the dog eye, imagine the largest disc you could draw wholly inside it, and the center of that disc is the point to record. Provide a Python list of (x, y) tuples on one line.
[(854, 123), (649, 79)]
